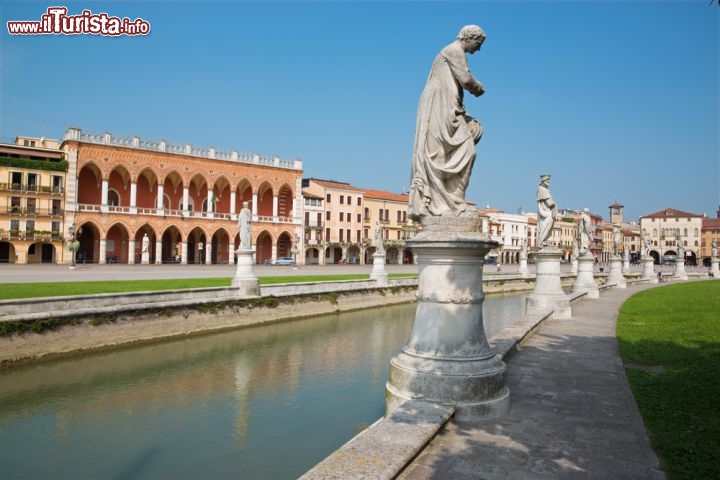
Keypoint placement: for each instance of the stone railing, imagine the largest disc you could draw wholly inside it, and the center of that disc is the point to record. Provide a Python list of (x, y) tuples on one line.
[(185, 149)]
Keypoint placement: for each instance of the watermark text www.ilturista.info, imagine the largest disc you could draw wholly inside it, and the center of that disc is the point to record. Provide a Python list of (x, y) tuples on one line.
[(57, 22)]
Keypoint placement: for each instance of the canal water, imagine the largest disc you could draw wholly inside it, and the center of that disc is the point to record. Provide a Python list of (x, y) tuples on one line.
[(258, 403)]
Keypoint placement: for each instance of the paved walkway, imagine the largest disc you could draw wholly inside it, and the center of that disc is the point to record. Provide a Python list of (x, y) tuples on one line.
[(572, 412)]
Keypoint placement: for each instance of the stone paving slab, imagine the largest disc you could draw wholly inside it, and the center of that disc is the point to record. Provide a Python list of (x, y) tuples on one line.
[(572, 414)]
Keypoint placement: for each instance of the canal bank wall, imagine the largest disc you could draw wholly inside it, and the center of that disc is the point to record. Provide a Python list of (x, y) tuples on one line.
[(51, 327)]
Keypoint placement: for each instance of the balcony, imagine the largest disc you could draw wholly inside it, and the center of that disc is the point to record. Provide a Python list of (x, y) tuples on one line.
[(166, 212), (31, 188)]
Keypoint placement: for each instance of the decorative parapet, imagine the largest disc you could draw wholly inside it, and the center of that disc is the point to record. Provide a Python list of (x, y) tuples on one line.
[(75, 134)]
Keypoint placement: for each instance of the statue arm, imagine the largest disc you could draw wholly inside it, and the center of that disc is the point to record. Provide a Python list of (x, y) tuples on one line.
[(457, 62)]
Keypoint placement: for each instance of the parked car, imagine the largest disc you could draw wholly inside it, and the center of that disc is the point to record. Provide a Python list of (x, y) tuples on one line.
[(283, 261), (669, 259)]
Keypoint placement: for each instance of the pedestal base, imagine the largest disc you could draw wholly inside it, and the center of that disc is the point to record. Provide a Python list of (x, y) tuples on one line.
[(378, 272), (145, 258), (245, 279), (680, 272), (523, 269), (714, 270), (585, 281), (649, 269), (548, 292), (447, 359), (615, 276)]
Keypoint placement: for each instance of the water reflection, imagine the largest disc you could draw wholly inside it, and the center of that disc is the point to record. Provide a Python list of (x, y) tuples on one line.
[(265, 402)]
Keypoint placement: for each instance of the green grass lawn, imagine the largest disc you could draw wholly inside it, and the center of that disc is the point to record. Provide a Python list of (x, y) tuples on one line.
[(669, 339), (54, 289)]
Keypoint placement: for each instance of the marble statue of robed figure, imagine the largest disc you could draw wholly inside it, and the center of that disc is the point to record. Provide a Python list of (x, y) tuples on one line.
[(445, 136)]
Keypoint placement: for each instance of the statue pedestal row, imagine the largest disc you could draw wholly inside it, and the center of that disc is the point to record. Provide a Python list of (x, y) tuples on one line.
[(447, 359), (245, 279), (616, 277), (548, 292), (585, 280), (714, 267)]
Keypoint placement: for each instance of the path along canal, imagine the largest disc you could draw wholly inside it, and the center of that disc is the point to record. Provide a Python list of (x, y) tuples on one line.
[(266, 402)]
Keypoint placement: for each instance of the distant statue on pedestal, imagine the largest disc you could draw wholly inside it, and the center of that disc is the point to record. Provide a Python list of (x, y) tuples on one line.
[(584, 232), (145, 243), (547, 210), (379, 247), (713, 249), (245, 224), (617, 241), (445, 135)]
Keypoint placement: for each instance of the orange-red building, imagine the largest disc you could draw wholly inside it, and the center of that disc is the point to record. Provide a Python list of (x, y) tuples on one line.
[(184, 198)]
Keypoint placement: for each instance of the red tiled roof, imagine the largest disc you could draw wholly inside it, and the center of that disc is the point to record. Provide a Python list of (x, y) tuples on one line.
[(711, 223), (383, 195), (307, 194), (334, 184), (670, 212)]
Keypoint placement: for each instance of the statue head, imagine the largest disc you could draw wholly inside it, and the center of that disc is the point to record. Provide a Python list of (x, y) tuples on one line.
[(471, 37), (544, 179)]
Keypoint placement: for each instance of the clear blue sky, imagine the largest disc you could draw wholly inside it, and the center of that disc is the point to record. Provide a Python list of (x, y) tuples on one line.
[(617, 100)]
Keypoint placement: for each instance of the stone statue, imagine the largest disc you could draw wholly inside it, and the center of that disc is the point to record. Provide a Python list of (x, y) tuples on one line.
[(584, 232), (713, 249), (445, 136), (617, 241), (379, 247), (647, 243), (145, 243), (245, 224), (547, 210), (523, 248)]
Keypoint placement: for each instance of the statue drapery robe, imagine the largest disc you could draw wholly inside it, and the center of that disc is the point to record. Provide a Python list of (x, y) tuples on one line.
[(445, 137)]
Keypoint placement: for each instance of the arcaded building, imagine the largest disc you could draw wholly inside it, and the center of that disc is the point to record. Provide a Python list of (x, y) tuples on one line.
[(183, 198)]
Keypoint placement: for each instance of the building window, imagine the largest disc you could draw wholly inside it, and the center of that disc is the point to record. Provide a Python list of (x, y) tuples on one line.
[(359, 218), (55, 228), (341, 215), (341, 235), (319, 219), (367, 213), (327, 215), (365, 233), (342, 199), (30, 226), (357, 236), (359, 201), (327, 198), (327, 234)]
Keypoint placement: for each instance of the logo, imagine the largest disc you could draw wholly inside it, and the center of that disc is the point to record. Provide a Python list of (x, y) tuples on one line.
[(57, 22)]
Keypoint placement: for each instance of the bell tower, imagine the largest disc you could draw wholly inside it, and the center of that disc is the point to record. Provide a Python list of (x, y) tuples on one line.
[(616, 213)]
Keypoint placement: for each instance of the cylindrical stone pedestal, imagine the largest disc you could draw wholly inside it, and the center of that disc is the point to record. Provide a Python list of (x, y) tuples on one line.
[(714, 262), (680, 272), (616, 277), (378, 272), (574, 266), (523, 268), (548, 292), (245, 279), (145, 258), (447, 359), (585, 280), (649, 269)]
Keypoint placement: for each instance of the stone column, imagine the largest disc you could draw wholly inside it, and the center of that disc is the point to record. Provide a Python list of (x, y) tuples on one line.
[(233, 198), (680, 272), (133, 197), (131, 251), (184, 253), (254, 206), (103, 251), (615, 276), (548, 292), (208, 253), (585, 280), (210, 206), (160, 198), (275, 208), (104, 195), (378, 271), (186, 201), (245, 279), (447, 359), (158, 252)]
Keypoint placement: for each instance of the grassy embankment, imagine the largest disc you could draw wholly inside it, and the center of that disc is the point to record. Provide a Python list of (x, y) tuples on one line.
[(54, 289), (669, 340)]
